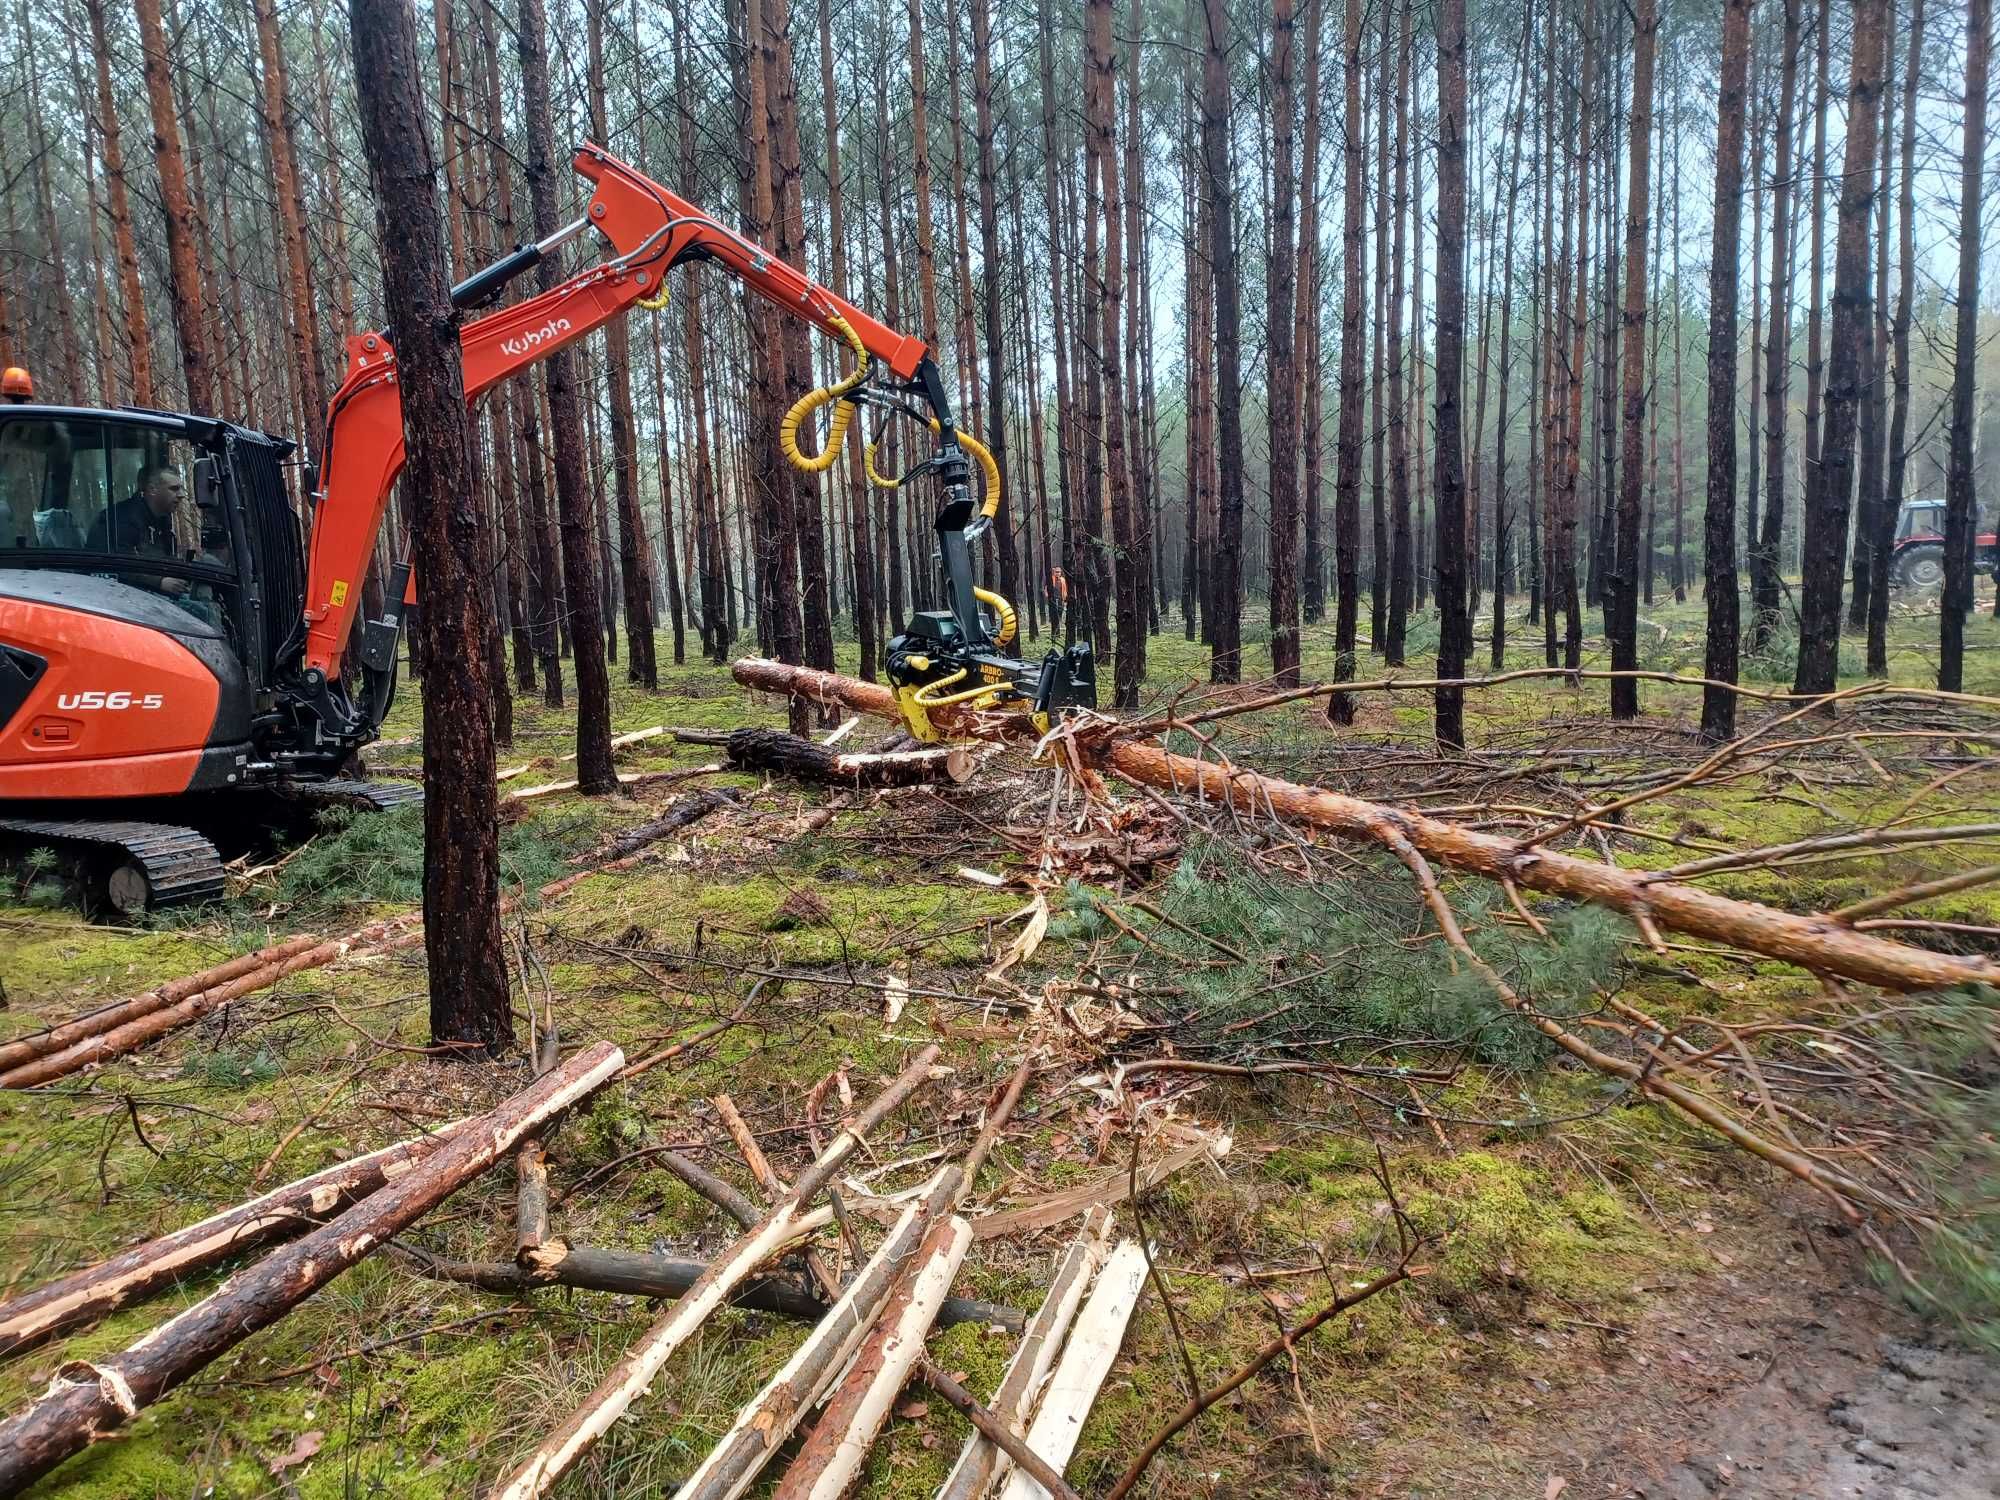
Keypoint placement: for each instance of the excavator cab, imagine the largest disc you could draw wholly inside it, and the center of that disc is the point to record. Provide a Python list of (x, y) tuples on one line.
[(151, 596)]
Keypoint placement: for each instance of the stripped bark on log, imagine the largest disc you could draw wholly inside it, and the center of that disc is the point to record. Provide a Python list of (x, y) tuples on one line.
[(87, 1401), (981, 1462), (109, 1017), (762, 1427), (797, 757), (1815, 943), (634, 1373), (854, 1414), (92, 1292), (1085, 1362)]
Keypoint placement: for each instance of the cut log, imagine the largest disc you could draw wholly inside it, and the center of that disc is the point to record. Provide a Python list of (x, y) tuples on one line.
[(635, 1370), (635, 1273), (620, 741), (383, 937), (790, 755), (1085, 1362), (684, 813), (762, 1427), (90, 1293), (87, 1401), (832, 1457), (981, 1461), (108, 1017), (1814, 943)]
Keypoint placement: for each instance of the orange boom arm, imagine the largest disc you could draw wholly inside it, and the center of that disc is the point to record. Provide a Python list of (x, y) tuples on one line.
[(649, 231)]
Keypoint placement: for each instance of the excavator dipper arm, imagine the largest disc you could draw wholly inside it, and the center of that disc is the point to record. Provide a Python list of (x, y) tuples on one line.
[(649, 230)]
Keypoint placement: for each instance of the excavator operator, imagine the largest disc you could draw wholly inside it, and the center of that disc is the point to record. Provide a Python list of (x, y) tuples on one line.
[(142, 524)]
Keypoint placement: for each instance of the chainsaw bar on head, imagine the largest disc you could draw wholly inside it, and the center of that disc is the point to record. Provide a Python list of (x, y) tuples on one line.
[(182, 868)]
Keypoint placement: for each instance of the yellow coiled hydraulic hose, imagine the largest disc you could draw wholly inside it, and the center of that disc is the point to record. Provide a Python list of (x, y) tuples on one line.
[(836, 436), (971, 445), (812, 401)]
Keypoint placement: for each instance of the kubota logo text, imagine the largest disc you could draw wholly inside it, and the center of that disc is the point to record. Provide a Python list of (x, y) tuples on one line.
[(110, 700), (554, 328)]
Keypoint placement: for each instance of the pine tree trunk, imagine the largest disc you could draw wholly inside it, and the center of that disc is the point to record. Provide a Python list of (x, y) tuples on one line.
[(1347, 442), (1130, 663), (187, 294), (462, 942), (1379, 558), (1283, 383), (1065, 597), (1875, 540), (1830, 484), (1455, 624), (1502, 522), (1625, 569), (595, 773), (1763, 557), (1402, 562), (1308, 336), (1718, 703), (1961, 508), (1906, 215), (1227, 650), (118, 202)]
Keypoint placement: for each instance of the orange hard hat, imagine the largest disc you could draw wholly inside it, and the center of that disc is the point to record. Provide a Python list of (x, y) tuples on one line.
[(17, 382)]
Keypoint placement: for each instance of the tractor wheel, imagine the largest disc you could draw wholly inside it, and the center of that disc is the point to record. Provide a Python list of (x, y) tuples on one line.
[(1919, 570)]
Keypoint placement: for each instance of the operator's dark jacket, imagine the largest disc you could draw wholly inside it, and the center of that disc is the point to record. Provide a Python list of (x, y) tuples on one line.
[(130, 528)]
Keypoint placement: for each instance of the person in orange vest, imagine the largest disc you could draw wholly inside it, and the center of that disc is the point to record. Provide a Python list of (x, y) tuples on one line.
[(17, 386)]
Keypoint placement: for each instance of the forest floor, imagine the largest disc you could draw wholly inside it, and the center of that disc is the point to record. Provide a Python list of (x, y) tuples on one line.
[(1614, 1302)]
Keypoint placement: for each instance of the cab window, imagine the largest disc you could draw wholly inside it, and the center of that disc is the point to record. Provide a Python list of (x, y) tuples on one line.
[(119, 494)]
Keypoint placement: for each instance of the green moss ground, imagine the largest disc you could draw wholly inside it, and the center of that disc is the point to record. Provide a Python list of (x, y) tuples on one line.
[(1564, 1221)]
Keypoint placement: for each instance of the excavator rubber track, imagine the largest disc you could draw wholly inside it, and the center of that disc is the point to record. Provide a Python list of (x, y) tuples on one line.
[(361, 796), (137, 866)]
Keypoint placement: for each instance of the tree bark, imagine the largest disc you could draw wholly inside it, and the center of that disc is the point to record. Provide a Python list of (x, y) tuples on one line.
[(1625, 568), (470, 1001), (595, 773), (800, 758), (1830, 483), (1280, 330), (1906, 217), (1455, 625), (1307, 339), (187, 293), (1402, 560), (1961, 507), (1718, 704), (1347, 441), (1227, 651), (1763, 558)]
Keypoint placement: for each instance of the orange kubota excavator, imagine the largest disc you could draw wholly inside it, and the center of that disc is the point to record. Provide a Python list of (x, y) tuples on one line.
[(159, 658)]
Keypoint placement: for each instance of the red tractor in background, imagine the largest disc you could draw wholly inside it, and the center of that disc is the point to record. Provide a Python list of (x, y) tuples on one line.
[(1916, 566)]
